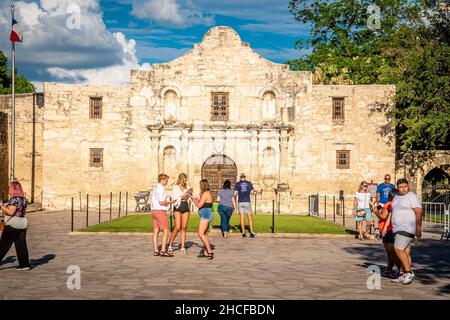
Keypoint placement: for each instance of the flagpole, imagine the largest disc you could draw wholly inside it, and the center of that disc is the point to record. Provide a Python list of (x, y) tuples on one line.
[(13, 102)]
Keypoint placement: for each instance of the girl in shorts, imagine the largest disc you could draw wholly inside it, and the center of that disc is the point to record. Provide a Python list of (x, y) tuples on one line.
[(204, 204)]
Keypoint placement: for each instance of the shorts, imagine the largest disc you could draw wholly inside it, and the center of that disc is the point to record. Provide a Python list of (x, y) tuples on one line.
[(205, 214), (403, 241), (244, 207), (183, 207), (367, 217), (389, 237), (160, 221)]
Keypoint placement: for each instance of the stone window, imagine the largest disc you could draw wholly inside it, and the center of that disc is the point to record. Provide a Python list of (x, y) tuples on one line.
[(95, 108), (343, 159), (219, 106), (338, 110), (96, 157)]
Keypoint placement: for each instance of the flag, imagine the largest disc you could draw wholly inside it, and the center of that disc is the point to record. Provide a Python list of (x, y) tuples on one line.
[(16, 36)]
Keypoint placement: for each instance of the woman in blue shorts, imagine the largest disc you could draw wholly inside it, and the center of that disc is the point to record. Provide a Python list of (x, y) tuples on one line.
[(362, 211), (204, 204)]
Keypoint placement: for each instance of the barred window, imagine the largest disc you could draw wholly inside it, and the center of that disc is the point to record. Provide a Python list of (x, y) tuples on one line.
[(291, 114), (343, 159), (96, 158), (95, 108), (219, 106), (338, 110)]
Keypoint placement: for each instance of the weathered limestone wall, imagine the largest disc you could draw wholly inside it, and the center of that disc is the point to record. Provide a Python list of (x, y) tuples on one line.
[(28, 155), (69, 134), (366, 132)]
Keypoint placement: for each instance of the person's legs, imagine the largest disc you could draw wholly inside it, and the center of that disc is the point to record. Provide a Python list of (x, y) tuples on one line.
[(250, 222), (390, 255), (155, 239), (164, 239), (202, 230), (176, 229), (22, 249), (242, 222), (8, 237), (360, 227), (184, 225), (223, 219), (228, 213)]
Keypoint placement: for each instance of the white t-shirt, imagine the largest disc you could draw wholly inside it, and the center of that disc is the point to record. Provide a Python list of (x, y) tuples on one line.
[(177, 193), (363, 200), (403, 216), (159, 194)]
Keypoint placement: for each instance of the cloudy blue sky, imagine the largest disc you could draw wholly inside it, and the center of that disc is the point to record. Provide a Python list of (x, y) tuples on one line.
[(99, 41)]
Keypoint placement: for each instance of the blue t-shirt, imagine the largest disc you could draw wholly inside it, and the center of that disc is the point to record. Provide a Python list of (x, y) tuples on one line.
[(244, 187), (383, 189)]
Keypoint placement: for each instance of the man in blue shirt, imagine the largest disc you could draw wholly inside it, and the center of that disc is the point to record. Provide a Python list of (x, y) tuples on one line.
[(243, 189), (383, 190)]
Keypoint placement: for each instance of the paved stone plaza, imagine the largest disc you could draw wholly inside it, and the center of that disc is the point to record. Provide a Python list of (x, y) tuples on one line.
[(122, 267)]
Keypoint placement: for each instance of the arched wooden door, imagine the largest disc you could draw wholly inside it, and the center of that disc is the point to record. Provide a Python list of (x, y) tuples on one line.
[(217, 169)]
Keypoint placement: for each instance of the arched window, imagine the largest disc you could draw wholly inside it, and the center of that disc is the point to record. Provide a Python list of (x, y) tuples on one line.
[(170, 104), (269, 106)]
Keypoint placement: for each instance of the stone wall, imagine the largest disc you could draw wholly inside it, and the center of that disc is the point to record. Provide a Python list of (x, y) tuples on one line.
[(170, 107), (28, 154), (70, 133), (3, 154)]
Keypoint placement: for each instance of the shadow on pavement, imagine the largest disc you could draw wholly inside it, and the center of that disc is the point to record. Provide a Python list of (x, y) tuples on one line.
[(431, 260)]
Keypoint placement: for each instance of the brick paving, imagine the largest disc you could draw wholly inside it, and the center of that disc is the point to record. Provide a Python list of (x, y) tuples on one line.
[(122, 267)]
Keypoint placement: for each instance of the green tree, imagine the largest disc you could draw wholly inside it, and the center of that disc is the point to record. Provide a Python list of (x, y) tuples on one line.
[(22, 84), (409, 49)]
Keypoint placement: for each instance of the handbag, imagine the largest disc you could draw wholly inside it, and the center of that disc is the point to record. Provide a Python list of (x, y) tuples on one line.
[(360, 213), (19, 223)]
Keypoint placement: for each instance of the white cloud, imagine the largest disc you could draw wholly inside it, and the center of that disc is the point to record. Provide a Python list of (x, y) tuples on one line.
[(51, 50), (117, 74), (171, 13)]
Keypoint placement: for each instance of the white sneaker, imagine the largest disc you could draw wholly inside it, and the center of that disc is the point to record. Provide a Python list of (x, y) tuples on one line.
[(408, 278), (399, 279)]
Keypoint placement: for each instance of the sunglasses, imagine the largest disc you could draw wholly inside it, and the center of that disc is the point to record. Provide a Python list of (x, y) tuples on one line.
[(387, 178), (365, 186)]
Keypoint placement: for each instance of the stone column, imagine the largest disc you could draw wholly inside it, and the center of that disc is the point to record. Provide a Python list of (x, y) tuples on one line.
[(185, 150), (253, 158), (284, 139), (154, 159)]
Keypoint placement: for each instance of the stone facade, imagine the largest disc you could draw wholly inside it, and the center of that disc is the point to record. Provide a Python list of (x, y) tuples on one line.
[(29, 144), (278, 129)]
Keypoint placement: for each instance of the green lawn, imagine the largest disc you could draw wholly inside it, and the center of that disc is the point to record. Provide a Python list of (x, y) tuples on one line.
[(262, 224)]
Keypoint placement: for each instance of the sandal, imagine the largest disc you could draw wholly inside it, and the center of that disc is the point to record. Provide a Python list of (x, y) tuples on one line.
[(166, 254), (155, 253), (183, 251), (210, 256), (170, 250), (360, 237)]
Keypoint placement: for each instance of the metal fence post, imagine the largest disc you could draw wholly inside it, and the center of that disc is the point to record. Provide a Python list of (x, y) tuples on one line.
[(309, 205), (343, 212), (334, 208), (110, 206), (87, 210), (273, 216), (325, 207), (99, 207), (126, 203), (255, 200), (120, 201), (72, 216), (318, 211)]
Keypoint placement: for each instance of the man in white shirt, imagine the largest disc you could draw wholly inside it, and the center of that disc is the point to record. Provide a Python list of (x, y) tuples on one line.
[(406, 224), (160, 206)]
